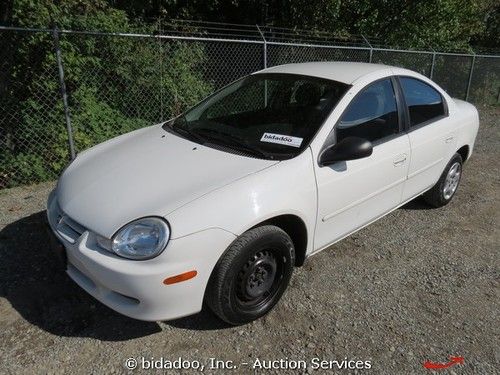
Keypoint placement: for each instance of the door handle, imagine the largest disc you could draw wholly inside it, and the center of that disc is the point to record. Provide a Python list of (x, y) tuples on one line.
[(449, 139), (399, 160)]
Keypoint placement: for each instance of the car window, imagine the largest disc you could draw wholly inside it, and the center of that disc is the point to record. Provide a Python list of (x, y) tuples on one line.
[(424, 102), (372, 114), (247, 98), (268, 113)]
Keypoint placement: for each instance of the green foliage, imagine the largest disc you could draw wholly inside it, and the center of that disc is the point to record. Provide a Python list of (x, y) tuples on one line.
[(23, 168), (440, 24), (95, 121), (115, 85), (490, 37)]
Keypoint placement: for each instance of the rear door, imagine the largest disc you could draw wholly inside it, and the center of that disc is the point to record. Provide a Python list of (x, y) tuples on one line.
[(431, 133), (355, 192)]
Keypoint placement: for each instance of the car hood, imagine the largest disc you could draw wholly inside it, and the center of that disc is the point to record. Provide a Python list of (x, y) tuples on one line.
[(149, 172)]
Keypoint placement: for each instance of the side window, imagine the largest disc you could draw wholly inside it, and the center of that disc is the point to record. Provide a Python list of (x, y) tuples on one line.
[(424, 102), (372, 114)]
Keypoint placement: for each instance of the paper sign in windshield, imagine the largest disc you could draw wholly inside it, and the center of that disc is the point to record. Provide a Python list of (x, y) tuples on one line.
[(282, 139)]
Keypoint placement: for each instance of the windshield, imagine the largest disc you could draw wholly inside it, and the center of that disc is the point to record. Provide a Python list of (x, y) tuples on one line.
[(272, 116)]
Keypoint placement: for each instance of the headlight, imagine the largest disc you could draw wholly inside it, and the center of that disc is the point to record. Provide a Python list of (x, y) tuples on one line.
[(141, 239)]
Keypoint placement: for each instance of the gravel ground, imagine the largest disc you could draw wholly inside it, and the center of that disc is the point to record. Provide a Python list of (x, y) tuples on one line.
[(420, 284)]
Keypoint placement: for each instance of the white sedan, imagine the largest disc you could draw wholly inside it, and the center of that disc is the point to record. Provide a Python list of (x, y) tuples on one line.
[(222, 202)]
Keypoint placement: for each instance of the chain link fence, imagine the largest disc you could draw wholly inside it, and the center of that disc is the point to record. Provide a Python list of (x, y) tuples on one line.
[(117, 82)]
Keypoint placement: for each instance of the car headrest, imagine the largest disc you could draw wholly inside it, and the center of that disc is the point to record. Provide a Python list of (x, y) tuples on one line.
[(308, 95)]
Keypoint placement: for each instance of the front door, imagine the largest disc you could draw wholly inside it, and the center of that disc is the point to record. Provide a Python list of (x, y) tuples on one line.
[(353, 193)]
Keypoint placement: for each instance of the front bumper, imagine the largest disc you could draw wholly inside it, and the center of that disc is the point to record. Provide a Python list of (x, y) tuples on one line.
[(135, 288)]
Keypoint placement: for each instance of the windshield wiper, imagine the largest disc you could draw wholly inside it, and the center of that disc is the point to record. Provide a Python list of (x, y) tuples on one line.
[(233, 140), (186, 131)]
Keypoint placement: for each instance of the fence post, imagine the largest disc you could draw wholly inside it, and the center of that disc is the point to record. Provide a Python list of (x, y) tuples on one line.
[(55, 33), (264, 61), (470, 75), (371, 48), (432, 64), (265, 46), (160, 32)]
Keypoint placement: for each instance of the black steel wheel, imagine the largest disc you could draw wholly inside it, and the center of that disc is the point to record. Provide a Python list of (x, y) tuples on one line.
[(252, 275)]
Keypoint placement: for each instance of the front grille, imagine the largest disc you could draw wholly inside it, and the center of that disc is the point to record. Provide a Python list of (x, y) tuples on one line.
[(67, 228)]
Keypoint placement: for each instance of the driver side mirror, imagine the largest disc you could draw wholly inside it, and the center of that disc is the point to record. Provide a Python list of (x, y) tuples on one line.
[(350, 148)]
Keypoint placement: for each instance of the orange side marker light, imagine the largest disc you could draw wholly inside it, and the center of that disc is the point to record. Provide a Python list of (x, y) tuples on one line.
[(179, 278)]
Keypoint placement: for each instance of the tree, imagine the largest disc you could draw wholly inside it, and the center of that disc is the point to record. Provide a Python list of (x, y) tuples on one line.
[(115, 84)]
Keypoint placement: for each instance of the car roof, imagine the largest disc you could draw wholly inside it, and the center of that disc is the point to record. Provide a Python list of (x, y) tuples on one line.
[(340, 71)]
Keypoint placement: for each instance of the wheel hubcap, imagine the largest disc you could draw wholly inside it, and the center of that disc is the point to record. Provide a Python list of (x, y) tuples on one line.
[(261, 279), (452, 180), (257, 277)]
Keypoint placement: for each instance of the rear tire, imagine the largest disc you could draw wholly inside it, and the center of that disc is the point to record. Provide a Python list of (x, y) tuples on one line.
[(252, 275), (442, 193)]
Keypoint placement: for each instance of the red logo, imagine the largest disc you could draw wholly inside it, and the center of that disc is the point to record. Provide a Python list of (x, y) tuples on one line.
[(439, 366)]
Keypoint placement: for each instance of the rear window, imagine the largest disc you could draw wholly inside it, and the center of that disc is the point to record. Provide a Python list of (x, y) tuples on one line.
[(424, 102)]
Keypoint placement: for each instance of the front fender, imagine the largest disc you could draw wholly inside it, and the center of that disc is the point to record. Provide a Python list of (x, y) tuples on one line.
[(289, 187)]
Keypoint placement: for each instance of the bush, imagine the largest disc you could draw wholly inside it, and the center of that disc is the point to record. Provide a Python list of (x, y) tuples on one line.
[(115, 85)]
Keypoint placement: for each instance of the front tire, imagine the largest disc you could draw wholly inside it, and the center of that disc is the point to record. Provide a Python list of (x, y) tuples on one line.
[(252, 275), (444, 190)]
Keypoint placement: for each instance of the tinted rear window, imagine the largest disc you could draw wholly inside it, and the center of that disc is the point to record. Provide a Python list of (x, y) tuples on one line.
[(424, 102)]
